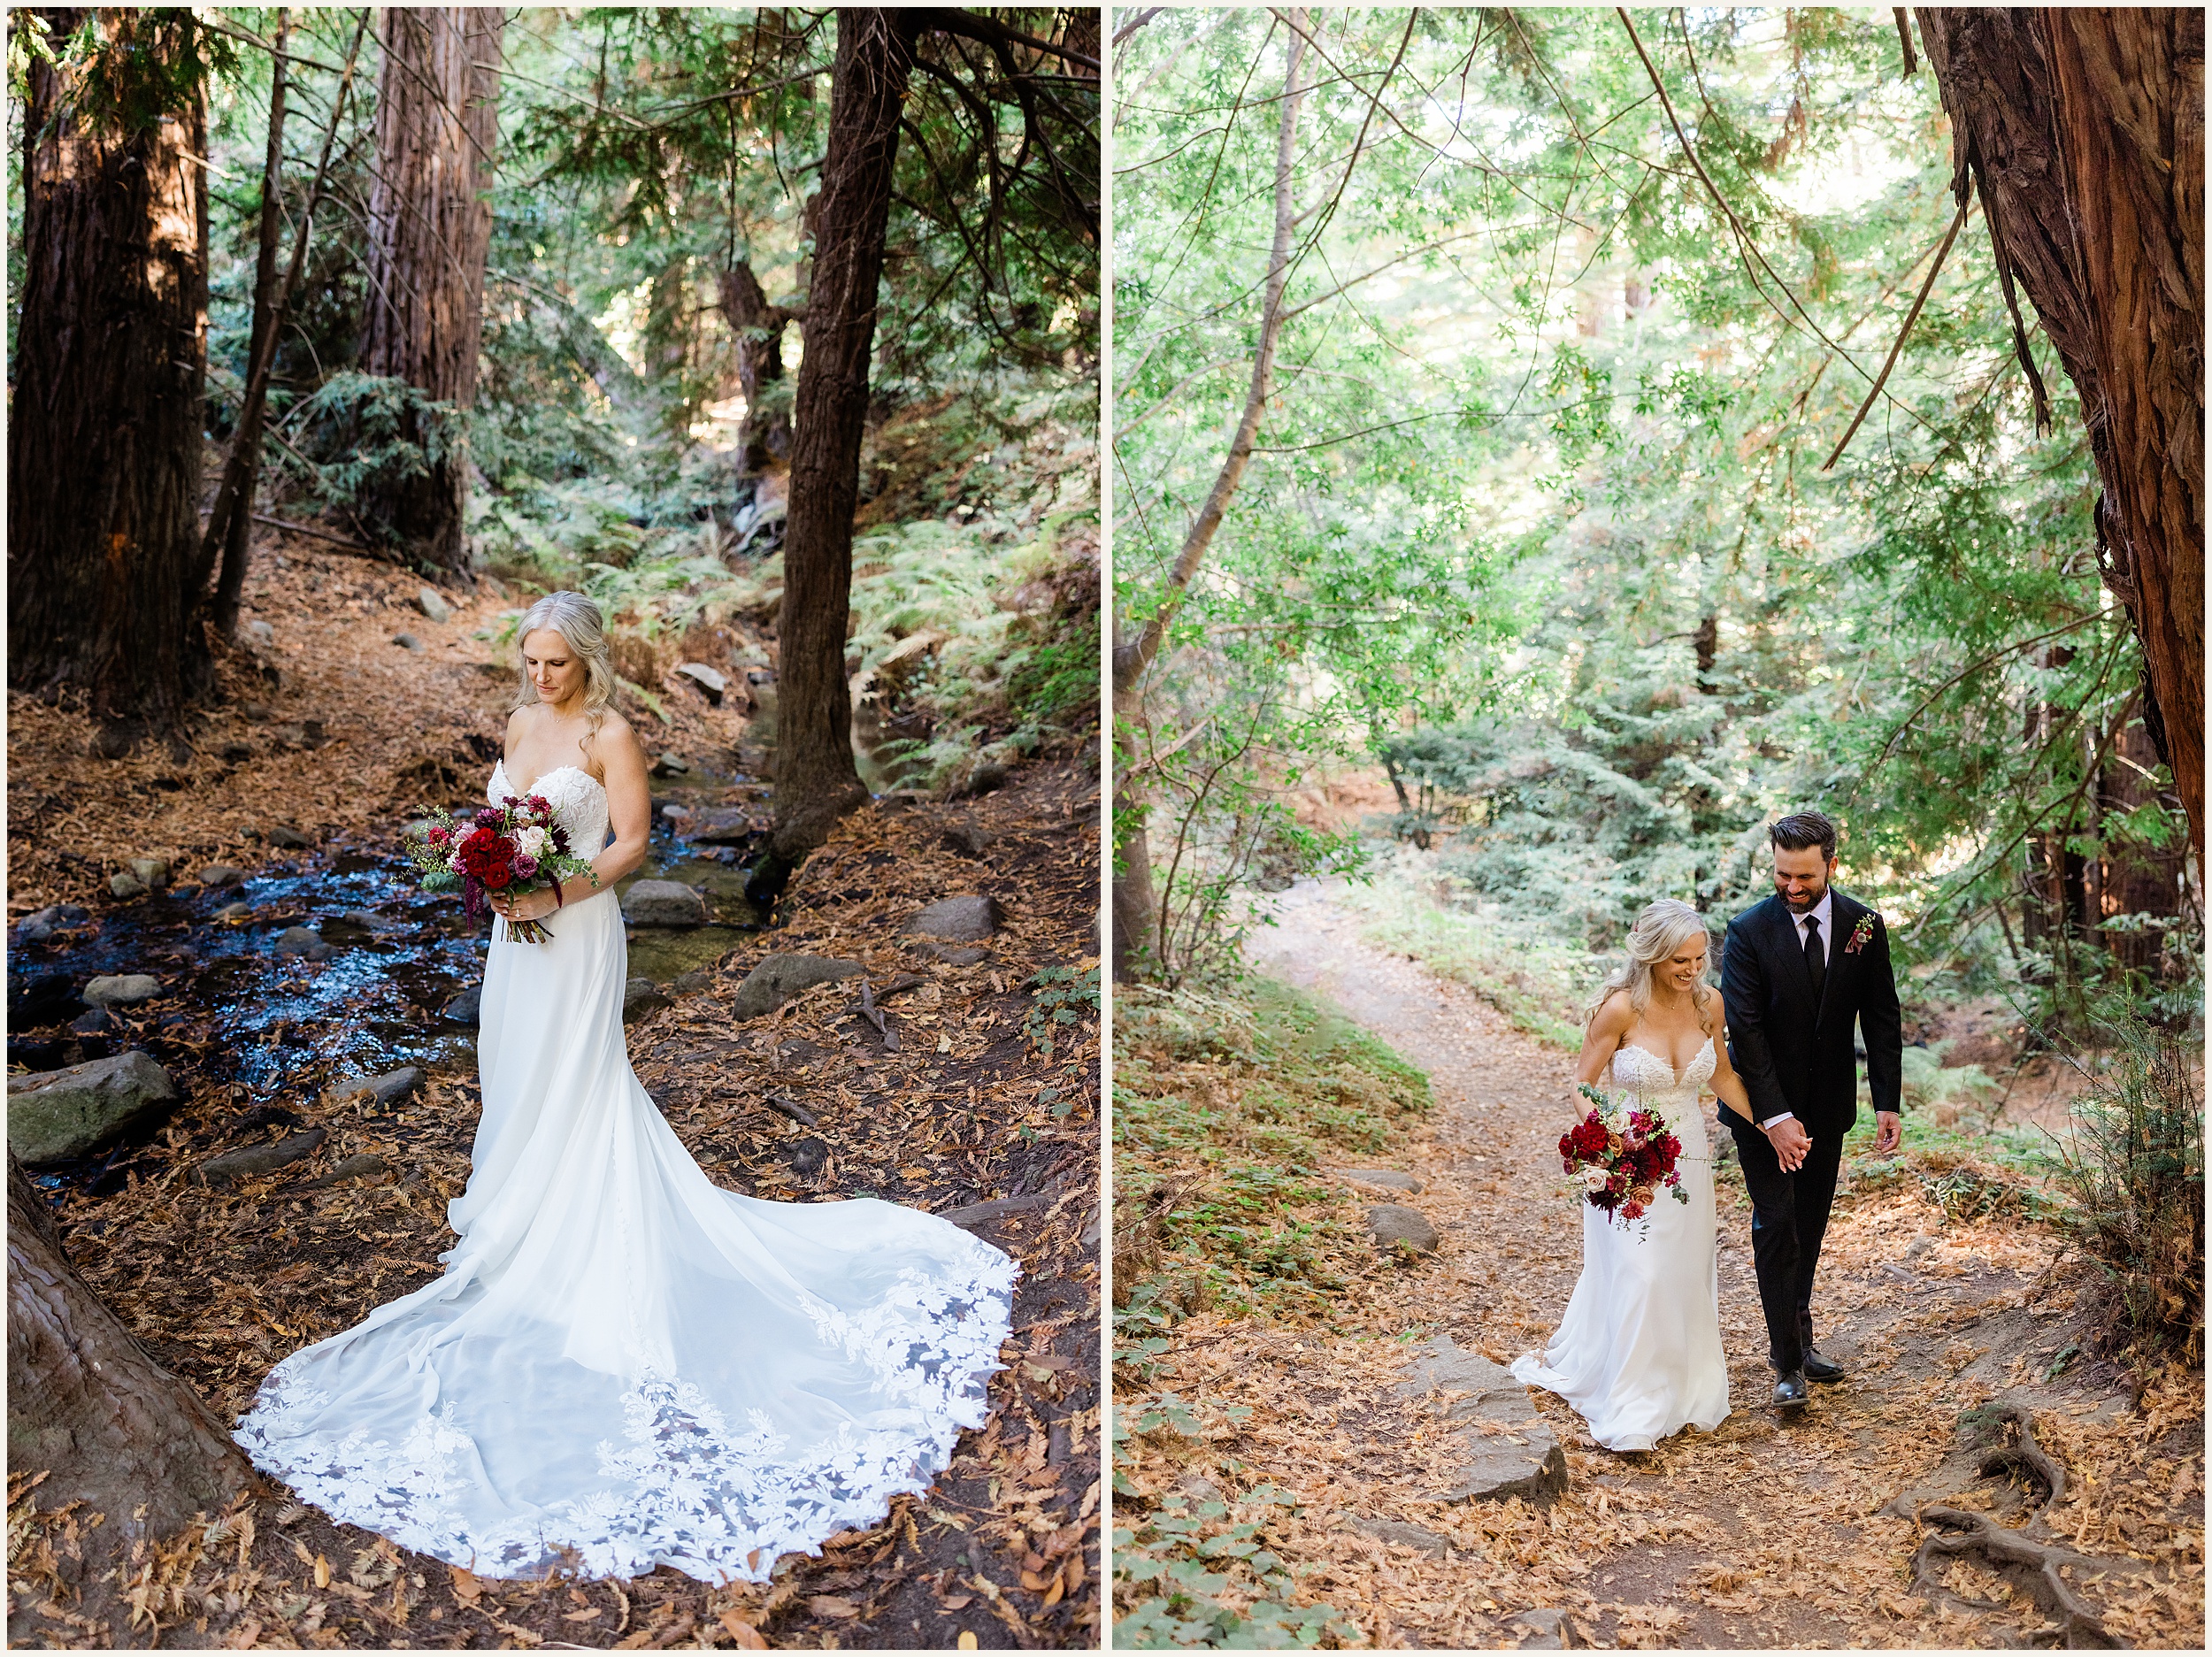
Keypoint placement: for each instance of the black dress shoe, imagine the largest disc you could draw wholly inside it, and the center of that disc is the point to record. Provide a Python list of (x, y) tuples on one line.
[(1789, 1392), (1820, 1368)]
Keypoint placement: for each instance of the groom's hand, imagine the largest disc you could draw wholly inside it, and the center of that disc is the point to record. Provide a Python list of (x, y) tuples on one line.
[(1889, 1131), (1791, 1142)]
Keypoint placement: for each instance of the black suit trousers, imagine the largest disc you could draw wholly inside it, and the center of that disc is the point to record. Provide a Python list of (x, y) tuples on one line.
[(1789, 1217)]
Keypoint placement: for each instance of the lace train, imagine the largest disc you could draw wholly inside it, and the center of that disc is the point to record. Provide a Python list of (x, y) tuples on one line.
[(623, 1365)]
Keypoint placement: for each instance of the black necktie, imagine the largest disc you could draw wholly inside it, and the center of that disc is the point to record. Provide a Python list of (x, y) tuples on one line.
[(1816, 960)]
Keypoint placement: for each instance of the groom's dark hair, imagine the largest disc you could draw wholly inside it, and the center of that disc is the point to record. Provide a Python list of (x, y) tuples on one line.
[(1801, 829)]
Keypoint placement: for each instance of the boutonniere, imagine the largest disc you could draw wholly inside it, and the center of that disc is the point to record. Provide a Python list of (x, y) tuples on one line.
[(1863, 934)]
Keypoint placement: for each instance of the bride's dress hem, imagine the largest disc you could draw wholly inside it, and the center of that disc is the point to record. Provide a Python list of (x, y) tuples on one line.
[(625, 1365)]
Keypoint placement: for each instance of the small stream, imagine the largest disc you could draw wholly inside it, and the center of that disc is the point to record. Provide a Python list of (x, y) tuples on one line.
[(398, 958)]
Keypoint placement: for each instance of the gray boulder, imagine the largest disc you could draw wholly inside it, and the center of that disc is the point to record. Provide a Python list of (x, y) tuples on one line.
[(464, 1007), (285, 835), (407, 641), (220, 877), (1390, 1223), (432, 603), (387, 1089), (716, 825), (261, 632), (36, 928), (1499, 1445), (963, 920), (303, 941), (706, 679), (237, 911), (124, 989), (670, 764), (665, 903), (57, 1114), (258, 1159), (779, 978), (152, 872), (641, 997), (125, 886)]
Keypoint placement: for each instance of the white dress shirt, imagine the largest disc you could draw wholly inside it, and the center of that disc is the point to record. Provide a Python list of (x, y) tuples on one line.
[(1824, 912)]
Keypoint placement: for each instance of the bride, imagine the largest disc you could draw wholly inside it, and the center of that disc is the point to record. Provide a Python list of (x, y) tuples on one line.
[(1638, 1351), (622, 1364)]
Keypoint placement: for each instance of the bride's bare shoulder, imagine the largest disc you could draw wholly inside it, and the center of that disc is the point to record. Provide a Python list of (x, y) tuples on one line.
[(1616, 1017)]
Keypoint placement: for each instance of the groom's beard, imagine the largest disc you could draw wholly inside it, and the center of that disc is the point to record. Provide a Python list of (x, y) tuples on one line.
[(1807, 903)]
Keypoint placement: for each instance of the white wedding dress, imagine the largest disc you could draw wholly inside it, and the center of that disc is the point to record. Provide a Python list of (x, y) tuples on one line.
[(621, 1359), (1639, 1353)]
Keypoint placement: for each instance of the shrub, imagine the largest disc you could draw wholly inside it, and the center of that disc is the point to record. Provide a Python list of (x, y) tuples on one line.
[(2134, 1166)]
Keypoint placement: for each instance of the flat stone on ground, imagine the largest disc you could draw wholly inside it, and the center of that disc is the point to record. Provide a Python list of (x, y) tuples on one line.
[(966, 919), (122, 989), (781, 977), (1501, 1447), (220, 877), (433, 605), (258, 1159), (387, 1089), (1391, 1224), (56, 1114), (461, 1009), (1397, 1533), (665, 903), (1383, 1179)]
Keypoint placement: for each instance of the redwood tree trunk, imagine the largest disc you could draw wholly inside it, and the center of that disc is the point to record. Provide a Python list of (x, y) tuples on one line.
[(104, 569), (110, 1426), (2084, 128), (816, 779), (430, 224)]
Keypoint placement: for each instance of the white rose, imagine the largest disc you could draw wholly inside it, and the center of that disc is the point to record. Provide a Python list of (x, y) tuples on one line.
[(532, 842), (1595, 1178)]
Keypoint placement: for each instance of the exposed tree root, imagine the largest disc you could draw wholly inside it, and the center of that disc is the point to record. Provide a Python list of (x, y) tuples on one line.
[(2080, 1625), (2035, 1564)]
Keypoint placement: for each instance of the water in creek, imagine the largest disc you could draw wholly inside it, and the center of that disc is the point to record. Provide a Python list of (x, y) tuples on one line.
[(276, 1023)]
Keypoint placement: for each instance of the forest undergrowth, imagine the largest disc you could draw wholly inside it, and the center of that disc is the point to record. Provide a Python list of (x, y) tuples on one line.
[(1257, 1428)]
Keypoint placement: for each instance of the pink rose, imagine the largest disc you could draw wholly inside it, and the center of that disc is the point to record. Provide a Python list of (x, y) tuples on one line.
[(525, 865)]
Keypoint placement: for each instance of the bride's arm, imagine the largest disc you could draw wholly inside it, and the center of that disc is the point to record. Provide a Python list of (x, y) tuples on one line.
[(629, 809), (1726, 1084), (1601, 1041)]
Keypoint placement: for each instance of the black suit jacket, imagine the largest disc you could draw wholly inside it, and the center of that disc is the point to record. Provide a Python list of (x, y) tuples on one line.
[(1798, 1056)]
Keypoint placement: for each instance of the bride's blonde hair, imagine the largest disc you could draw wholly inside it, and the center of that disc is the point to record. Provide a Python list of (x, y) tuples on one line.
[(577, 620), (1664, 927)]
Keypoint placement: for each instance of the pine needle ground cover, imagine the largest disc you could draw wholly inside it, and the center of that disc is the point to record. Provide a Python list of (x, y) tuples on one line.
[(218, 1284), (1255, 1436)]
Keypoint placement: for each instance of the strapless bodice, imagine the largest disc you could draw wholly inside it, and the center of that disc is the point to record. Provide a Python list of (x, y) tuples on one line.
[(1654, 1081), (578, 800)]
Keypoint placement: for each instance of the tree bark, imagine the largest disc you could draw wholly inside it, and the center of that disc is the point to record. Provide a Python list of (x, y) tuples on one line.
[(104, 568), (230, 525), (430, 221), (759, 327), (85, 1404), (1135, 902), (2084, 127), (816, 782)]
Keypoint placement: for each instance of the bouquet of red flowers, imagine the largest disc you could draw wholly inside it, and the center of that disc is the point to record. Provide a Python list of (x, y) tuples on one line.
[(1623, 1158), (516, 847)]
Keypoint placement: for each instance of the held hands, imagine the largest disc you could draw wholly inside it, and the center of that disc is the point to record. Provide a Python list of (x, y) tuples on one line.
[(1791, 1142)]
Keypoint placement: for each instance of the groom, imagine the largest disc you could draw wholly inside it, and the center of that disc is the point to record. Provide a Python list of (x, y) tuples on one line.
[(1797, 968)]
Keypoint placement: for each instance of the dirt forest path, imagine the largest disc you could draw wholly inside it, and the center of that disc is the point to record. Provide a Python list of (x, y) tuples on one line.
[(1761, 1534), (967, 1094)]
